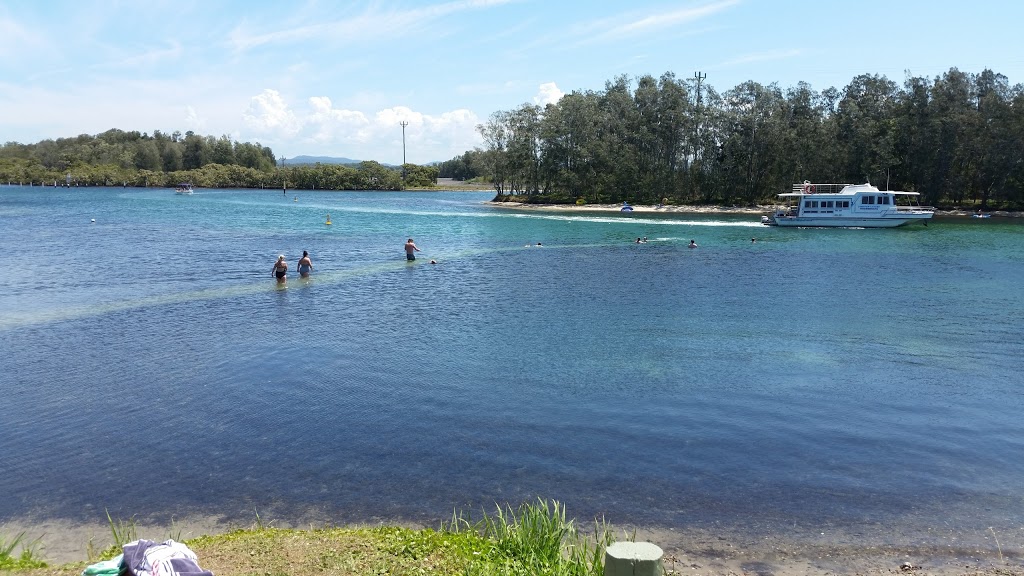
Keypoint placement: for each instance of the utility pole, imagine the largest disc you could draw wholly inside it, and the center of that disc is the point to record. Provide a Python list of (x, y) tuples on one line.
[(696, 128), (404, 124), (695, 176)]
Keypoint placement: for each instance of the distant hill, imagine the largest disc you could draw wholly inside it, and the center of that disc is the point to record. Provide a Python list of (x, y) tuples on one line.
[(311, 160), (298, 160)]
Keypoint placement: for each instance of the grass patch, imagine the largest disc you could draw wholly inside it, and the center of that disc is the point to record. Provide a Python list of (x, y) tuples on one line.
[(534, 539), (27, 558)]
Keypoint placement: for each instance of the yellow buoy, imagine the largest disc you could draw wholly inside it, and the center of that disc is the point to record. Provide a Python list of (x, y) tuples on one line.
[(328, 220)]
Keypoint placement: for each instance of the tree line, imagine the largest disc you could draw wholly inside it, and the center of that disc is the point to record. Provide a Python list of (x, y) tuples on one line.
[(958, 139), (132, 158)]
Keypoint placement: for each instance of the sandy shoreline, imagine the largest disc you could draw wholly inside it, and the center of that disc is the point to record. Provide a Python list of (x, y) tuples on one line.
[(686, 550), (686, 209)]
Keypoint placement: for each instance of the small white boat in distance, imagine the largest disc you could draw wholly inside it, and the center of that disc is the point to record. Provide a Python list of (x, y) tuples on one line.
[(848, 206), (184, 188)]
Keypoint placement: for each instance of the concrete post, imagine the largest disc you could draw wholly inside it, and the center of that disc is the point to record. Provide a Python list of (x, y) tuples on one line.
[(633, 559)]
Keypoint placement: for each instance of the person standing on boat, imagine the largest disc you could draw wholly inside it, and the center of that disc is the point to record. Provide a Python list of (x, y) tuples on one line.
[(410, 249), (280, 269), (305, 265)]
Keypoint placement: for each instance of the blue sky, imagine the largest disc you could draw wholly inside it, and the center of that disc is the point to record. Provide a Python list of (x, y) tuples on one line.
[(337, 78)]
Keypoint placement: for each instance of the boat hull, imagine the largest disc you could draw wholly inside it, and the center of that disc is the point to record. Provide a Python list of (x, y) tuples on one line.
[(852, 222)]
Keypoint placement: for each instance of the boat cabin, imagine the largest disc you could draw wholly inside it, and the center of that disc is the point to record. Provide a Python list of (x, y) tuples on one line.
[(847, 205), (842, 200)]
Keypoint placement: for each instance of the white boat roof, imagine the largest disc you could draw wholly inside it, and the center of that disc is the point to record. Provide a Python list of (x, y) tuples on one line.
[(847, 190)]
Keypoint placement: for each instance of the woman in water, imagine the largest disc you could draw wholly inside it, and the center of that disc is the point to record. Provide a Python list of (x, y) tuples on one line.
[(305, 265), (280, 269)]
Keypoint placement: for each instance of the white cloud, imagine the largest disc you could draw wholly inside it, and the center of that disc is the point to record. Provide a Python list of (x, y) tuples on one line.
[(548, 93), (193, 122), (760, 57), (373, 23), (321, 128), (629, 26), (268, 113), (327, 125)]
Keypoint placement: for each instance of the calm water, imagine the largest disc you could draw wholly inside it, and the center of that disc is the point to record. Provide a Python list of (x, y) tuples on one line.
[(855, 379)]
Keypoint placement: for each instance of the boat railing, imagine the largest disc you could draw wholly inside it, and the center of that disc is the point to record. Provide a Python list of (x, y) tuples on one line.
[(812, 188), (901, 208)]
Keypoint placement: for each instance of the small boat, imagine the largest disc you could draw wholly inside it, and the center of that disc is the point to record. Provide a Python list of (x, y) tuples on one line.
[(848, 206), (184, 188), (979, 215), (626, 208)]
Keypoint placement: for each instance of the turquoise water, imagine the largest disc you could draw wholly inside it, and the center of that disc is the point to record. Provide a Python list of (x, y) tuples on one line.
[(864, 380)]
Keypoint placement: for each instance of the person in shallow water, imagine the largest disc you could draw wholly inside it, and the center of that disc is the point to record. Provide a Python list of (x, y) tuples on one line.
[(305, 265), (693, 244), (280, 269), (410, 250)]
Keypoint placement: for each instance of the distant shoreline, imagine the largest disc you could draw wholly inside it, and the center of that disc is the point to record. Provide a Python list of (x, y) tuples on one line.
[(692, 209)]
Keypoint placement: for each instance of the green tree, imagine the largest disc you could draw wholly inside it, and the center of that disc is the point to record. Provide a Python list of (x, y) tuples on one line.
[(147, 156)]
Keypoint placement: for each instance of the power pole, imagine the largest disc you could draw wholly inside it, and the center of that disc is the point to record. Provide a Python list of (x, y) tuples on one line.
[(695, 176), (404, 124), (696, 128)]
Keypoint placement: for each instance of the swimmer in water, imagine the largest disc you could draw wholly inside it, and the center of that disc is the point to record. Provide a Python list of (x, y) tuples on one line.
[(280, 269), (305, 265), (410, 250)]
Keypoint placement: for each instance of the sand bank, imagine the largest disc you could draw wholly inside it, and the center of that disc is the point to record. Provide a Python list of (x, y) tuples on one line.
[(637, 208), (685, 209)]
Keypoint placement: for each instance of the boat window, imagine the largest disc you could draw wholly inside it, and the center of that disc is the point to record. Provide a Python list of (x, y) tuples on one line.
[(828, 204), (807, 203), (814, 204), (845, 204), (867, 200), (883, 200)]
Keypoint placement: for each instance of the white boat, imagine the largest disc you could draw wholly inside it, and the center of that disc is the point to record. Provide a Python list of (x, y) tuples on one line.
[(848, 206), (184, 188)]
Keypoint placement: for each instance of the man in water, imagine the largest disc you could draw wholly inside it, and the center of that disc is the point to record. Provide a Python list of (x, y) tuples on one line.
[(280, 269), (410, 248), (693, 244), (305, 265)]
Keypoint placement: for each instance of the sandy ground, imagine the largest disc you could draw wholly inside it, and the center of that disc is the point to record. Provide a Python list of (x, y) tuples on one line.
[(686, 551), (637, 208)]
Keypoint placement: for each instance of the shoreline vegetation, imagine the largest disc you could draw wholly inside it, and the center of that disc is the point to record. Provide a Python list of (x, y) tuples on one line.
[(531, 540), (690, 209), (449, 185)]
